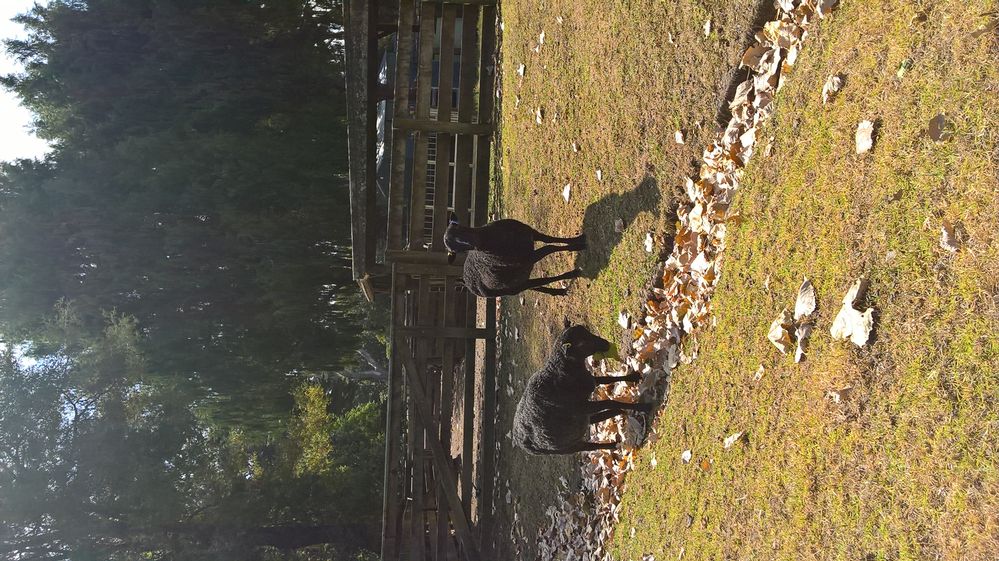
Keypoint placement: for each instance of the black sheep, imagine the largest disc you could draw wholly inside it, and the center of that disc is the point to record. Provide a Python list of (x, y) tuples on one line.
[(555, 412), (501, 255)]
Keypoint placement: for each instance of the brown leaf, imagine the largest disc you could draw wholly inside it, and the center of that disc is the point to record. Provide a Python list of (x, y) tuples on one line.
[(831, 88), (940, 128), (948, 237)]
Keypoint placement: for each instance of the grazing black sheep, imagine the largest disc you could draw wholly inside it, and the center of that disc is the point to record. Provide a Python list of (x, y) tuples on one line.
[(555, 412), (501, 255)]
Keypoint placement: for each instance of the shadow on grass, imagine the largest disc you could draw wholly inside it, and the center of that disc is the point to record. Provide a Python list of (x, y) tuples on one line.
[(598, 223)]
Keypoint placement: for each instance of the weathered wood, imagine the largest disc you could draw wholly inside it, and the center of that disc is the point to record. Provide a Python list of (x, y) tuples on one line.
[(397, 188), (431, 269), (424, 77), (441, 461), (468, 426), (430, 332), (467, 2), (487, 449), (445, 83), (483, 145), (392, 493), (434, 126), (360, 51), (466, 108), (421, 257)]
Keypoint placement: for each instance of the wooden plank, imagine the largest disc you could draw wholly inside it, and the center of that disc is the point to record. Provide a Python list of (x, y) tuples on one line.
[(466, 107), (468, 426), (445, 83), (360, 78), (431, 269), (441, 462), (392, 494), (487, 449), (483, 145), (467, 2), (431, 332), (434, 126), (421, 256), (403, 61), (418, 190), (446, 405)]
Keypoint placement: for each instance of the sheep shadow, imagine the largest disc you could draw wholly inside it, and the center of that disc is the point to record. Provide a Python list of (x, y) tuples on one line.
[(598, 223)]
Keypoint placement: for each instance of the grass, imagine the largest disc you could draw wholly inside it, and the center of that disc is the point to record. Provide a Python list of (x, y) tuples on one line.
[(906, 466), (620, 91)]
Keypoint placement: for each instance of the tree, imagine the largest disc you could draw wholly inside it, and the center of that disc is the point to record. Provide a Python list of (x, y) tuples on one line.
[(198, 185), (97, 463)]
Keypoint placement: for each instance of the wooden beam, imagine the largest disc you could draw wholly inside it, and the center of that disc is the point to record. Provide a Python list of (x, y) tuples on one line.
[(421, 256), (424, 78), (442, 463), (433, 126), (467, 2), (431, 269), (392, 493), (466, 108), (432, 332), (397, 183), (445, 83), (483, 145), (487, 448)]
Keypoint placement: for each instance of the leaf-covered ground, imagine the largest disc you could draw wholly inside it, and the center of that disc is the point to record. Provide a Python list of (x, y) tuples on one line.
[(905, 465)]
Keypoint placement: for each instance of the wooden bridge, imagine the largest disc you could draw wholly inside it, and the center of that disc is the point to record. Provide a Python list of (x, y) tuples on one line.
[(440, 101)]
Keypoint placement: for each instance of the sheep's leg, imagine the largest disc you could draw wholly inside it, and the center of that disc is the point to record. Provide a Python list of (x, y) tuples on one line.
[(533, 284), (604, 415), (547, 250), (594, 407), (633, 377), (591, 446), (578, 240), (552, 291)]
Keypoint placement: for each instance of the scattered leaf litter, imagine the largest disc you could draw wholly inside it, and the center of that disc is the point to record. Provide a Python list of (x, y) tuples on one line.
[(582, 522)]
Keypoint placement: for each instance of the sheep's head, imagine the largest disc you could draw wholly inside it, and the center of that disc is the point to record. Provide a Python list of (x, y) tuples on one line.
[(578, 342), (456, 239)]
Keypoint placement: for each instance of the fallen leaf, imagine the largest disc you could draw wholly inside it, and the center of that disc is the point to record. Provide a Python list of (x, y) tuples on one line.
[(541, 38), (759, 374), (732, 439), (779, 335), (903, 67), (832, 87), (850, 323), (539, 115), (686, 456), (575, 147), (624, 320), (940, 129), (865, 136), (840, 395), (678, 137), (618, 225), (707, 28), (705, 464), (802, 333), (600, 175), (948, 237), (653, 462), (650, 243), (521, 69), (805, 304), (566, 191)]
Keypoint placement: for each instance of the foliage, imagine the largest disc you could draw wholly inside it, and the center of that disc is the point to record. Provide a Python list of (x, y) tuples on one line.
[(197, 185)]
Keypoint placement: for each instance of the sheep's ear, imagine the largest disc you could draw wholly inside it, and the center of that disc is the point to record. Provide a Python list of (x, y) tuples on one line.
[(452, 218), (566, 347), (450, 257)]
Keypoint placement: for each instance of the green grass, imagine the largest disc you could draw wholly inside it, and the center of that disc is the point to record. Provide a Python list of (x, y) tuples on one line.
[(906, 466)]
